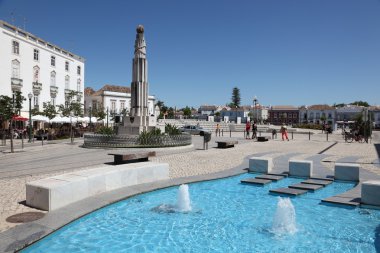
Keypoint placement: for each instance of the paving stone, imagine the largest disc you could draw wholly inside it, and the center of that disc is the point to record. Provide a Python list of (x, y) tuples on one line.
[(256, 181), (270, 177), (288, 191), (316, 181), (310, 187)]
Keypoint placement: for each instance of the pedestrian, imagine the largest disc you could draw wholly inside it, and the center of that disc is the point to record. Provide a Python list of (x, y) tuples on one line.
[(217, 129), (274, 133), (284, 132), (254, 130), (247, 129)]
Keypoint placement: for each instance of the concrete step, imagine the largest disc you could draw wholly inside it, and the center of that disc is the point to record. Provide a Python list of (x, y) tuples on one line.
[(288, 191), (343, 201), (322, 178), (309, 187), (317, 181), (256, 181), (270, 177)]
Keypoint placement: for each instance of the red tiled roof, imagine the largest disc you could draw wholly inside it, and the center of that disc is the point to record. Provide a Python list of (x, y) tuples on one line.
[(114, 88)]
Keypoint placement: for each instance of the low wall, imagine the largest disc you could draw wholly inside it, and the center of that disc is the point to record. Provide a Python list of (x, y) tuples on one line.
[(58, 191), (129, 141)]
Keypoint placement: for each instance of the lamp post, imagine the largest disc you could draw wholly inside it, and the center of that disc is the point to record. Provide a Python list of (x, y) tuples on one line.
[(107, 116), (90, 116), (30, 95), (254, 107), (71, 127)]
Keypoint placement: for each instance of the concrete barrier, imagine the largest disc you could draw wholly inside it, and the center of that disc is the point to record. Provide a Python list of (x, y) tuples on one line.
[(58, 191), (260, 164), (300, 168), (371, 193), (347, 171)]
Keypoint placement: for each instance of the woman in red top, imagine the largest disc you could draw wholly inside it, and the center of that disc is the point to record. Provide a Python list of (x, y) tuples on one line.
[(247, 129)]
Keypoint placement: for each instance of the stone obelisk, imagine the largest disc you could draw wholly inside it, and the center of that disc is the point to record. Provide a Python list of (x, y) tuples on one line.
[(139, 119)]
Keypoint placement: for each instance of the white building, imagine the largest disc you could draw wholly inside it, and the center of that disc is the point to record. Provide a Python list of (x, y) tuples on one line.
[(116, 98), (30, 64)]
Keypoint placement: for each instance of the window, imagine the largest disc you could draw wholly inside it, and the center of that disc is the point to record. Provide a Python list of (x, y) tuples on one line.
[(330, 116), (113, 105), (52, 101), (35, 100), (79, 84), (52, 61), (36, 54), (67, 66), (78, 70), (317, 115), (67, 82), (294, 115), (122, 105), (36, 74), (94, 105), (52, 78), (275, 115), (15, 69), (15, 47)]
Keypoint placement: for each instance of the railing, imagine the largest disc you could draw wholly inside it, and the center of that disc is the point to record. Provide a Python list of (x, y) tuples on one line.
[(128, 141)]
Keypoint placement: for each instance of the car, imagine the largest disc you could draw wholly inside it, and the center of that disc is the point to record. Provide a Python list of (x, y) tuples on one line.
[(193, 129)]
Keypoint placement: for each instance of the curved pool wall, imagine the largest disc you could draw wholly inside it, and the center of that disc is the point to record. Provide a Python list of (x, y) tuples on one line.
[(226, 216), (132, 141)]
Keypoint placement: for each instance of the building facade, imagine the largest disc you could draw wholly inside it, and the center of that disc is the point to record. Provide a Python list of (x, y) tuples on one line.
[(287, 114), (31, 65), (317, 114), (116, 99)]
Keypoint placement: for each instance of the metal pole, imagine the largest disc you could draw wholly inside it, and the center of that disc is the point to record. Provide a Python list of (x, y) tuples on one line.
[(107, 116), (30, 119), (71, 129), (230, 133), (309, 135), (12, 132), (292, 135), (90, 116), (22, 140)]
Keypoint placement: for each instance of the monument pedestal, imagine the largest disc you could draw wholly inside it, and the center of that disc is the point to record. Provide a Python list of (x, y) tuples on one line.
[(134, 125)]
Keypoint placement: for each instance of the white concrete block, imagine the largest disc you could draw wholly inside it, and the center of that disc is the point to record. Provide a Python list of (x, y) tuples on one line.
[(55, 192), (347, 171), (260, 164), (300, 168), (371, 193)]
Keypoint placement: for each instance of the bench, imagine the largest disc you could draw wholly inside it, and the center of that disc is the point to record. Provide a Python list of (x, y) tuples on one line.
[(260, 164), (300, 168), (132, 158), (262, 138), (226, 144)]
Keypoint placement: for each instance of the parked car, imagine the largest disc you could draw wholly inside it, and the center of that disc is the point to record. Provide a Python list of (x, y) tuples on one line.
[(193, 129)]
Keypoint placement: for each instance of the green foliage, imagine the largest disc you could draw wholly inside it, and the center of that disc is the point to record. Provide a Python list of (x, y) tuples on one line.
[(8, 107), (187, 112), (49, 110), (105, 131), (149, 138), (360, 103), (172, 129), (72, 106), (236, 97)]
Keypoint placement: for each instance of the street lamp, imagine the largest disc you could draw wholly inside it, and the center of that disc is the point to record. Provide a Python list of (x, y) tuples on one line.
[(107, 116), (254, 107), (30, 95), (71, 127), (90, 116)]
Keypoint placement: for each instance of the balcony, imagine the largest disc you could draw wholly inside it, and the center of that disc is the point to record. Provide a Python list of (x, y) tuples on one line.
[(53, 91), (16, 84)]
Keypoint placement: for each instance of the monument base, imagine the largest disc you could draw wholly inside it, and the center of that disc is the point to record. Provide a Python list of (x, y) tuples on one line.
[(135, 125)]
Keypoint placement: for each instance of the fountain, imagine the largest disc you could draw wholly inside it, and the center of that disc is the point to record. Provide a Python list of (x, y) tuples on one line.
[(284, 221), (183, 202), (183, 199)]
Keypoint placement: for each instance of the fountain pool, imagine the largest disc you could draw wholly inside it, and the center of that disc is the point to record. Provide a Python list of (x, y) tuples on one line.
[(225, 216)]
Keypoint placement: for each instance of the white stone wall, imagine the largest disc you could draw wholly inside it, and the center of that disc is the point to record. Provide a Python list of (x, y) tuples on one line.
[(27, 43)]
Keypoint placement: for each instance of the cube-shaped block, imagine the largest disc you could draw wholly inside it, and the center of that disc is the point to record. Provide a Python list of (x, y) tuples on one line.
[(371, 193), (347, 171), (260, 164), (300, 168)]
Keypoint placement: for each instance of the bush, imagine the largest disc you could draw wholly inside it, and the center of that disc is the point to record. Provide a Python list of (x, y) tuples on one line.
[(172, 129), (151, 137), (105, 131)]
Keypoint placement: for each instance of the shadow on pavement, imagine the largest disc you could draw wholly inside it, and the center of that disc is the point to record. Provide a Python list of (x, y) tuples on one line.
[(377, 147)]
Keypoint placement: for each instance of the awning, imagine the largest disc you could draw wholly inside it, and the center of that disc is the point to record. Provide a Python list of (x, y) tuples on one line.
[(19, 118)]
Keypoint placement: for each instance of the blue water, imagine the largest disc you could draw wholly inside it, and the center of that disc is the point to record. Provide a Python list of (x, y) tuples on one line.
[(227, 216)]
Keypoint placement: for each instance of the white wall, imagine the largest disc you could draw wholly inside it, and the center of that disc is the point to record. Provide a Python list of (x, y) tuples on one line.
[(27, 62)]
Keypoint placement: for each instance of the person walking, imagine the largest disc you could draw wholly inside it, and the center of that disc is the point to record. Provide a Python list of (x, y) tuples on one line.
[(217, 129), (284, 132), (247, 129), (254, 130)]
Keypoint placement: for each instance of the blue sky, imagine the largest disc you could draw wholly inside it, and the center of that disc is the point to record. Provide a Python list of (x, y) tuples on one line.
[(298, 52)]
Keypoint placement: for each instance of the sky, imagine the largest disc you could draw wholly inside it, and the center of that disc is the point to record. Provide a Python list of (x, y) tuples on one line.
[(284, 52)]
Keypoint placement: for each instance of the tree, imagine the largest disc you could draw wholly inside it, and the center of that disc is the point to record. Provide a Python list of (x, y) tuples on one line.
[(360, 103), (73, 106), (187, 112), (236, 97), (49, 110)]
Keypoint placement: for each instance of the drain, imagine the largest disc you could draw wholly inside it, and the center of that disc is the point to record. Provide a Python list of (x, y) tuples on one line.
[(25, 217)]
